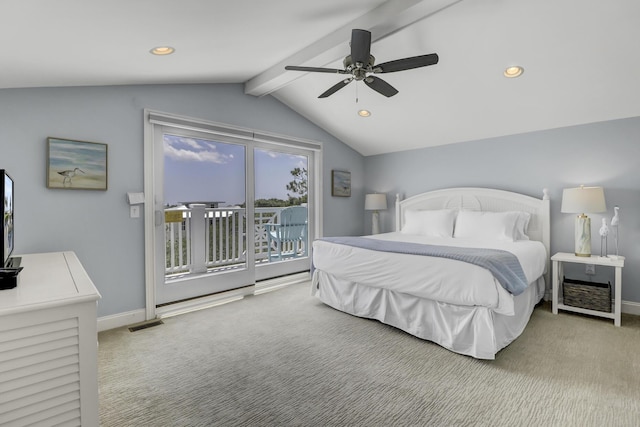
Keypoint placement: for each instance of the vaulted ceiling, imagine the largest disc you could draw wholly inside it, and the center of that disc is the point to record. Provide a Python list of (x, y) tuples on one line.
[(580, 59)]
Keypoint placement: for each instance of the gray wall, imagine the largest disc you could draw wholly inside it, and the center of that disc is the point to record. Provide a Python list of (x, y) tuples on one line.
[(606, 154), (96, 224)]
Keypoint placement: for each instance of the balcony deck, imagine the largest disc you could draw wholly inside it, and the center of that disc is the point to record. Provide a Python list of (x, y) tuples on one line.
[(200, 239)]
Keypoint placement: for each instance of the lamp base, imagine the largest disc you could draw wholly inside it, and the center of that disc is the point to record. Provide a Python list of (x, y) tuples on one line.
[(583, 236), (375, 223)]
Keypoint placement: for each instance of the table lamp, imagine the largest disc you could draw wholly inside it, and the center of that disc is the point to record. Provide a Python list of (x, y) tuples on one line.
[(583, 200), (375, 202)]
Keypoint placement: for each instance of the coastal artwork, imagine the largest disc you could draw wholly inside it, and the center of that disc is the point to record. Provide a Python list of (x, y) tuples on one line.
[(76, 165), (340, 183)]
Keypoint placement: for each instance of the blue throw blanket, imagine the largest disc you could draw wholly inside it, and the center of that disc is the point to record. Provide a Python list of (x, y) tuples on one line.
[(504, 265)]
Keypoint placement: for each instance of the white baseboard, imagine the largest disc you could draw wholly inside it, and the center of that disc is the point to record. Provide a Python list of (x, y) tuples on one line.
[(121, 319), (630, 307)]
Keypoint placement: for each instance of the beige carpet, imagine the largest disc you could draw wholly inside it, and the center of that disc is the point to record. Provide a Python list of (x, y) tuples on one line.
[(285, 359)]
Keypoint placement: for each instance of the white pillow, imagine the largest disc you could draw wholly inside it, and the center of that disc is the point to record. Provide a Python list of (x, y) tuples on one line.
[(486, 225), (522, 224), (432, 223)]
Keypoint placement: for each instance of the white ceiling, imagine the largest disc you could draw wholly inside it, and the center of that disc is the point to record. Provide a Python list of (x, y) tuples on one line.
[(580, 57)]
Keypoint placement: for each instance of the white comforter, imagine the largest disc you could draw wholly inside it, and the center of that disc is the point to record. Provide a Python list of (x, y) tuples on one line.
[(438, 279)]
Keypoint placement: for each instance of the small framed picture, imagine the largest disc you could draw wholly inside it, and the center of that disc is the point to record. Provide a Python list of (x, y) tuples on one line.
[(76, 165), (340, 183)]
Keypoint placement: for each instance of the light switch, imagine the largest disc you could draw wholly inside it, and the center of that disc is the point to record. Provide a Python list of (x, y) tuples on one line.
[(134, 211)]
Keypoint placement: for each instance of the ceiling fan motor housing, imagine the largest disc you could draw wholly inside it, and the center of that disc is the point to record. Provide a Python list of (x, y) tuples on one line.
[(354, 64), (359, 73)]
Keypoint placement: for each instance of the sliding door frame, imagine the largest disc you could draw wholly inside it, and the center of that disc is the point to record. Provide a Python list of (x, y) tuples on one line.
[(155, 122)]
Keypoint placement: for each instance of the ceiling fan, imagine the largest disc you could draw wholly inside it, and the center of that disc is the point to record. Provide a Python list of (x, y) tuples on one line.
[(361, 64)]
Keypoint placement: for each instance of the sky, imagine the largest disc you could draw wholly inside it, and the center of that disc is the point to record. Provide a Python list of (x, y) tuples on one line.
[(205, 170)]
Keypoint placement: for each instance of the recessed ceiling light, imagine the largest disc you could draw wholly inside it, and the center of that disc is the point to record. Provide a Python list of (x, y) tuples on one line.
[(162, 50), (514, 71), (364, 113)]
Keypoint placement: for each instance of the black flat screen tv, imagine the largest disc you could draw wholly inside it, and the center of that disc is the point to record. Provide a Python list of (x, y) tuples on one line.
[(7, 197)]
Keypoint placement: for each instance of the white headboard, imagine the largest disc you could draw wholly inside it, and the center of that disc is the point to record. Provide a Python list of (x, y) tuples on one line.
[(487, 200)]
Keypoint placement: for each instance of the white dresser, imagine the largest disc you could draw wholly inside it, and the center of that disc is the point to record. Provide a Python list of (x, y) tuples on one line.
[(48, 344)]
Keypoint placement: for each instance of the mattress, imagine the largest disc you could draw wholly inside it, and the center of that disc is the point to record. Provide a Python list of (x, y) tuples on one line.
[(437, 279)]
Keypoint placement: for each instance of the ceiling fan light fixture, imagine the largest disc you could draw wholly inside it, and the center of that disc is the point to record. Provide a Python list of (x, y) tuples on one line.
[(364, 113), (513, 71), (162, 50)]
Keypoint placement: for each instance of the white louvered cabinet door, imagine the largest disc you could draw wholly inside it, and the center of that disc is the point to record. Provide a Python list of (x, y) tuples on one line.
[(48, 347)]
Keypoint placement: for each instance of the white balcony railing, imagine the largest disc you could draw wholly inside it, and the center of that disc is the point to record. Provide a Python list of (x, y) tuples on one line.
[(203, 239)]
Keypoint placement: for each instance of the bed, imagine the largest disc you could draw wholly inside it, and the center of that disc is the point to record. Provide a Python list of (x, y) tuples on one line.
[(435, 276)]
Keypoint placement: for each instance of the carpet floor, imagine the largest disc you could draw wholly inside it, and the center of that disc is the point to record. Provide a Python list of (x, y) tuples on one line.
[(285, 359)]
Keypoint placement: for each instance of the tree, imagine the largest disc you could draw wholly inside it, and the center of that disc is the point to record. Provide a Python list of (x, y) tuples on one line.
[(298, 186), (269, 203)]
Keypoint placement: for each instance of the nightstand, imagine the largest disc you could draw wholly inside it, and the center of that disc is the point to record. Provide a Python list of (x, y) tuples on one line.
[(558, 273)]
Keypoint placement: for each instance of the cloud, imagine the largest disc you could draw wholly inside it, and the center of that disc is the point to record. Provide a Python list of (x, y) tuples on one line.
[(193, 150), (193, 143)]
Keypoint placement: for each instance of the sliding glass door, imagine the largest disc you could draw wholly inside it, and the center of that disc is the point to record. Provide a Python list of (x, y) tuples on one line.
[(281, 211), (228, 212)]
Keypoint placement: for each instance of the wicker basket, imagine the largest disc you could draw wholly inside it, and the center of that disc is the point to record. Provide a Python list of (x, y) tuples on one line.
[(591, 295)]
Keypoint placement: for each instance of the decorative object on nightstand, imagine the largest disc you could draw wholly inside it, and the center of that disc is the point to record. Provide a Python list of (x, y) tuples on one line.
[(583, 200), (375, 202), (614, 224), (604, 232)]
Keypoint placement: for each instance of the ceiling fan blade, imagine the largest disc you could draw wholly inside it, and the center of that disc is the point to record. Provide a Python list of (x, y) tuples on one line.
[(406, 63), (360, 46), (380, 86), (315, 69), (333, 89)]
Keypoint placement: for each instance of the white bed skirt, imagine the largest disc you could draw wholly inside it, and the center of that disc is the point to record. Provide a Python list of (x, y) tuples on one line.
[(474, 331)]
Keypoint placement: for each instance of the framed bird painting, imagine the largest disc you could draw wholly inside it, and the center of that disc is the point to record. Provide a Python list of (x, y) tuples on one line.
[(340, 183), (76, 165)]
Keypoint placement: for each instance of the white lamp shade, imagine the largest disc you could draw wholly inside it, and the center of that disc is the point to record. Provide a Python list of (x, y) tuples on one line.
[(583, 200), (375, 202)]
